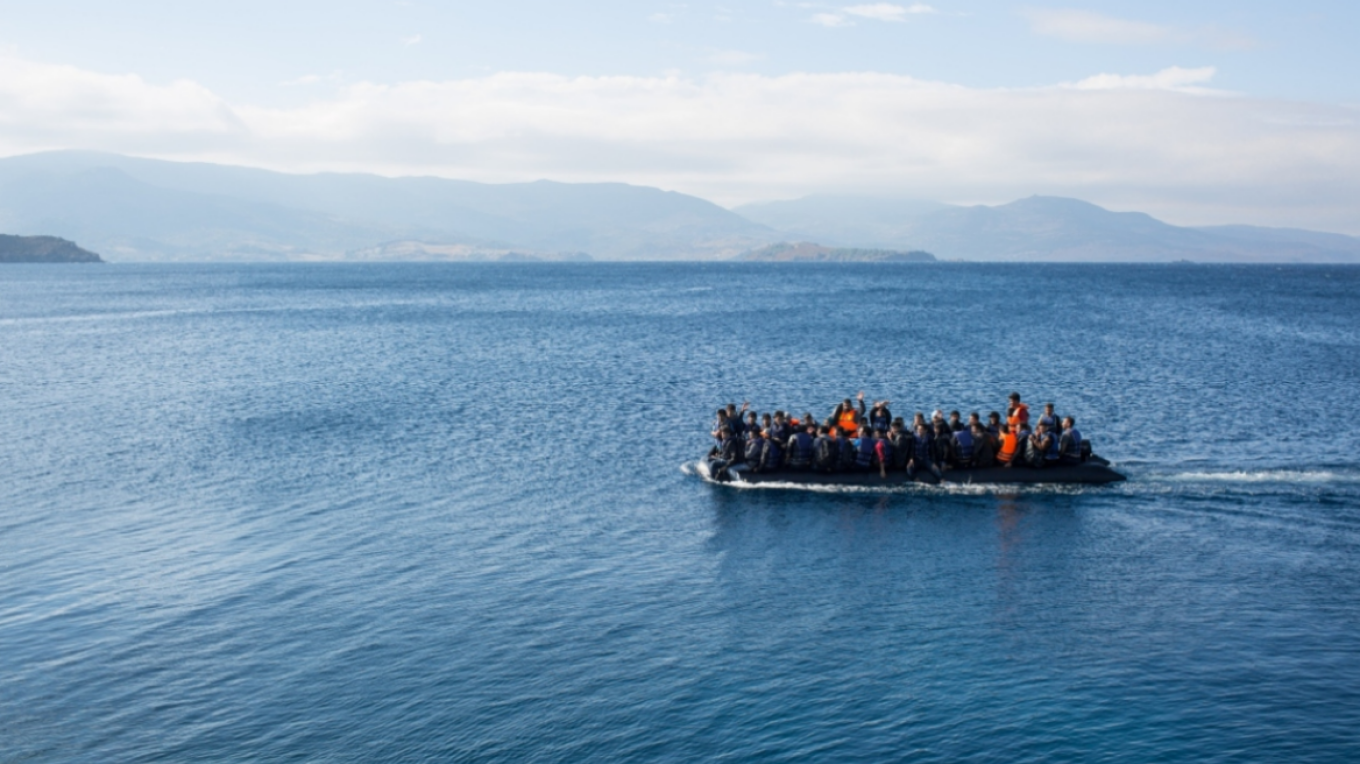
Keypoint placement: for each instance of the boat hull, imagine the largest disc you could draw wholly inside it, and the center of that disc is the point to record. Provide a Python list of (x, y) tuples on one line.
[(1095, 471)]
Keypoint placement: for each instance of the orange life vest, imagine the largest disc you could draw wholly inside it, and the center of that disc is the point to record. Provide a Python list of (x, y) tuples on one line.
[(1009, 443), (1020, 415), (848, 421)]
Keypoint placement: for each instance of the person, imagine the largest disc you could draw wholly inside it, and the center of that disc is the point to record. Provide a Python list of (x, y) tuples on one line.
[(864, 450), (734, 417), (728, 451), (755, 451), (800, 449), (1037, 446), (1049, 418), (880, 418), (901, 443), (918, 420), (984, 446), (1052, 454), (994, 424), (827, 450), (1010, 444), (937, 418), (955, 421), (963, 448), (774, 454), (943, 448), (1017, 412), (780, 430), (848, 417), (751, 424), (846, 461), (1069, 444), (883, 452), (922, 458), (972, 420), (719, 424)]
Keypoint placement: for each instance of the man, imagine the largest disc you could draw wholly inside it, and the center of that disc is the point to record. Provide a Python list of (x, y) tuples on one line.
[(1037, 446), (955, 421), (864, 450), (1049, 418), (963, 448), (984, 446), (1007, 454), (780, 430), (734, 417), (943, 448), (937, 419), (801, 451), (922, 456), (973, 420), (846, 461), (755, 451), (826, 451), (880, 417), (883, 453), (774, 454), (901, 443), (726, 456), (1017, 412), (994, 424), (1069, 445), (847, 417)]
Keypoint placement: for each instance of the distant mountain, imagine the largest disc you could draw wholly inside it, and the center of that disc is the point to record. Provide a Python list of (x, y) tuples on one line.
[(807, 252), (1050, 229), (43, 249), (851, 221), (142, 209)]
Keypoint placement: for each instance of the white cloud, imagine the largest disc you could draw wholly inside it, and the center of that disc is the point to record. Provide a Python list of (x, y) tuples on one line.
[(831, 20), (1154, 142), (887, 11), (412, 40), (1087, 26), (1173, 78)]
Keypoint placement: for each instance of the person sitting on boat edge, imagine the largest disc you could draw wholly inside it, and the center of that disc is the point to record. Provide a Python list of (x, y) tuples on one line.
[(1069, 444), (984, 446), (729, 450), (883, 453), (864, 450), (827, 450), (922, 458), (800, 449), (1038, 446)]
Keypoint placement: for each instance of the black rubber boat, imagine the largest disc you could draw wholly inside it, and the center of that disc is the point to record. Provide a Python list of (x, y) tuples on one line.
[(1093, 471)]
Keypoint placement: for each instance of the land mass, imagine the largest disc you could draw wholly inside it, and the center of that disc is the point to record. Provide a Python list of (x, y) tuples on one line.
[(806, 251), (43, 249)]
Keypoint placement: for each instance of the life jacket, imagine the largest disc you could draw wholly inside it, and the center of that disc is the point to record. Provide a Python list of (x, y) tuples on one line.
[(1051, 454), (800, 450), (963, 440), (780, 432), (1073, 440), (848, 421), (1051, 421), (755, 452), (1009, 442), (864, 451), (826, 451), (848, 453), (729, 450), (921, 447), (884, 451), (774, 455), (1018, 415)]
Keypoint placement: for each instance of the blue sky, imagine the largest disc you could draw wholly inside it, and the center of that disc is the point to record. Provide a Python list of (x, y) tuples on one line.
[(1200, 112)]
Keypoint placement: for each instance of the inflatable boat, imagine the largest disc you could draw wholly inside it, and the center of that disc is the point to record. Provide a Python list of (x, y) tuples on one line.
[(1093, 471)]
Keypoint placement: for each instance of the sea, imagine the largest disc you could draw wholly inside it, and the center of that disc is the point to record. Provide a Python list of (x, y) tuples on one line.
[(448, 512)]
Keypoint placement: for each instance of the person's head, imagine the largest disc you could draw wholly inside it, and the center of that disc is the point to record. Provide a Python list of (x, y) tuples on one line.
[(1048, 409), (778, 416), (751, 417), (823, 430), (994, 417), (864, 431), (896, 426), (919, 417), (811, 428), (976, 428), (1014, 398), (807, 417), (1069, 423), (954, 416), (921, 428), (1041, 428), (765, 418), (974, 419), (941, 428), (847, 404), (725, 431), (937, 416), (731, 409), (722, 413), (880, 433), (1005, 429)]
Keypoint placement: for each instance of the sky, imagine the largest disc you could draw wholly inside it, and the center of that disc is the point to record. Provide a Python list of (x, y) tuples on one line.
[(1200, 113)]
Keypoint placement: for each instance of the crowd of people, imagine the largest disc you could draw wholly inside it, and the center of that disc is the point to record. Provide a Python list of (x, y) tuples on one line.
[(860, 439)]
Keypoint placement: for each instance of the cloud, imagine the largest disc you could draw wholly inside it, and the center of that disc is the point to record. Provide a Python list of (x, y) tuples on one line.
[(1158, 142), (1173, 78), (1089, 27), (831, 20), (412, 40), (887, 11)]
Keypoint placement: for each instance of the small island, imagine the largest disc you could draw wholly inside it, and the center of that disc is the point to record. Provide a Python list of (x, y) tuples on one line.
[(808, 252), (43, 249)]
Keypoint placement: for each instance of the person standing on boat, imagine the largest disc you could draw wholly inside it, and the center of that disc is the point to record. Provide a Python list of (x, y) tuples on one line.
[(848, 417), (1017, 412), (880, 418)]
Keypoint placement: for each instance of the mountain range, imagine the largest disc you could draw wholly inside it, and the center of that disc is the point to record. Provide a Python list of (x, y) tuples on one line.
[(128, 208)]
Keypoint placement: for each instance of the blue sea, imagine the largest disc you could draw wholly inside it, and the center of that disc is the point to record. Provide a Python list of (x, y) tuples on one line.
[(447, 512)]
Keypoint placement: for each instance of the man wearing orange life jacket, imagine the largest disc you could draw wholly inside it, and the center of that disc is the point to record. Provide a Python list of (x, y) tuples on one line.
[(847, 418), (1018, 413), (1010, 445)]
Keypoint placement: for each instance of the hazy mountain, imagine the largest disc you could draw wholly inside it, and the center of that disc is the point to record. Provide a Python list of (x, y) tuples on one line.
[(808, 252), (42, 249), (137, 209), (1050, 229)]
